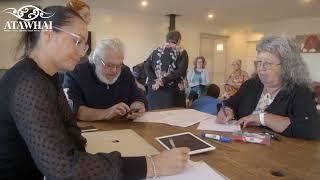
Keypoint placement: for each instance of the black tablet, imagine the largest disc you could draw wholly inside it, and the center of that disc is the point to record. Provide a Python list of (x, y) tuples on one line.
[(185, 139)]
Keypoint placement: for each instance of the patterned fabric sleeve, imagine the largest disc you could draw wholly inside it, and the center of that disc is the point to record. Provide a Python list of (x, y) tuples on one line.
[(39, 120)]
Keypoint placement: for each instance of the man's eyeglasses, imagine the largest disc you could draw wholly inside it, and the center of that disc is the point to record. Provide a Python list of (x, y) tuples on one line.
[(265, 65), (79, 42), (110, 66)]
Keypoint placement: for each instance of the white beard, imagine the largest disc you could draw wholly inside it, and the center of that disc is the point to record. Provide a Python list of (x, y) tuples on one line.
[(103, 79)]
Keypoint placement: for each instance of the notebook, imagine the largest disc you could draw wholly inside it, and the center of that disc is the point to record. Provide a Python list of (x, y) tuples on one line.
[(126, 141)]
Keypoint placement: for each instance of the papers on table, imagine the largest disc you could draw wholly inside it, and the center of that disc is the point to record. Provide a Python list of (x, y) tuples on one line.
[(211, 124), (182, 118), (188, 117), (196, 170)]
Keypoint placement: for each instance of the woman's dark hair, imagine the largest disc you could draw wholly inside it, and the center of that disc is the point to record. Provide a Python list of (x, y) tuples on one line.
[(203, 61), (213, 91), (173, 36), (62, 16)]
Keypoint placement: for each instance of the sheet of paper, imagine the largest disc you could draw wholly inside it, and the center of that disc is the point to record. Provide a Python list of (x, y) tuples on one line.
[(196, 170), (211, 124), (155, 117), (181, 118)]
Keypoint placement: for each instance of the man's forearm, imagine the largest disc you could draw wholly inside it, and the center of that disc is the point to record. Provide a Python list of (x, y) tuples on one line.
[(90, 114)]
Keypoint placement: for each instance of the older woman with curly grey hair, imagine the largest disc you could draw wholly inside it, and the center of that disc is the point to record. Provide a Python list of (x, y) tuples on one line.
[(279, 97)]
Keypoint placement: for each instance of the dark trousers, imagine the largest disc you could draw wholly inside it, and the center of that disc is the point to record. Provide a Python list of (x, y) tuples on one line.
[(165, 98)]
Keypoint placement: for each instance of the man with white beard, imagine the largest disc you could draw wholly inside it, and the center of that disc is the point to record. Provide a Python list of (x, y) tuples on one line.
[(103, 87)]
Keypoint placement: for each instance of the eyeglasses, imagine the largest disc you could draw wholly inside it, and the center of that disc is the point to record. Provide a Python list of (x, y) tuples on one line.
[(79, 42), (265, 65), (111, 66)]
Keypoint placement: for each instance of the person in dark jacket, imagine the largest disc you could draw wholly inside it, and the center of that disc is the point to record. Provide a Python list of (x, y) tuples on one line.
[(140, 76), (166, 69), (103, 87), (39, 135), (280, 96)]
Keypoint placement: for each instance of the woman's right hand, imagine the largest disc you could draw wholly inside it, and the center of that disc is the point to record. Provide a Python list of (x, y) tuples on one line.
[(225, 116), (169, 162)]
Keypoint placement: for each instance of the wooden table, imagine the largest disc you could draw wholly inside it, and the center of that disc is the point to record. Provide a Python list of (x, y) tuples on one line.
[(296, 159)]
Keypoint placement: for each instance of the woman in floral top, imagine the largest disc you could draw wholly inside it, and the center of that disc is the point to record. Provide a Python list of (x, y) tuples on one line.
[(238, 76)]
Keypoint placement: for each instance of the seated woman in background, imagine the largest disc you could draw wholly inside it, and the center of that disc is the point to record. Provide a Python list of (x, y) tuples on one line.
[(238, 76), (38, 131), (280, 97), (198, 77)]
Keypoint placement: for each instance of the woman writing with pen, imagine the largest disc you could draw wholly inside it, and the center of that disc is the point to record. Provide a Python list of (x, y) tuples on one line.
[(38, 131), (279, 97)]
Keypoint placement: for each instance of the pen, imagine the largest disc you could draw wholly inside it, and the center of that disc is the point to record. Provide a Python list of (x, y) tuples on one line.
[(216, 137), (223, 108), (172, 143)]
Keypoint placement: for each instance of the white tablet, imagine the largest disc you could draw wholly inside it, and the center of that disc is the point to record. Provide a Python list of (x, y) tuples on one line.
[(185, 139)]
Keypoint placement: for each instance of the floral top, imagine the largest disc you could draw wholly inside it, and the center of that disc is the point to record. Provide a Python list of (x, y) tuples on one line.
[(238, 78), (263, 103), (169, 63)]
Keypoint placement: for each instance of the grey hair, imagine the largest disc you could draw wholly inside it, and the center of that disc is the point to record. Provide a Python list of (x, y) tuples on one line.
[(106, 46), (293, 70)]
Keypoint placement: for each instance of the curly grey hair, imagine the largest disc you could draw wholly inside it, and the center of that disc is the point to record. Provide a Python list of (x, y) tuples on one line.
[(105, 46), (293, 70)]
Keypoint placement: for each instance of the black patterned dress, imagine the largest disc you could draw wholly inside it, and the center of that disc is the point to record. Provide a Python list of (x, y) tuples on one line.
[(168, 63)]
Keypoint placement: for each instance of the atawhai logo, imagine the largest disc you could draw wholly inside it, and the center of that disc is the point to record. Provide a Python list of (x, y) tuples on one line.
[(27, 14)]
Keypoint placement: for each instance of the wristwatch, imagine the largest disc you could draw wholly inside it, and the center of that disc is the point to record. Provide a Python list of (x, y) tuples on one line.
[(261, 118)]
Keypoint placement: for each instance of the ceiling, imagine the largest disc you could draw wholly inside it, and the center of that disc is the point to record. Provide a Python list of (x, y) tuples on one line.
[(227, 12)]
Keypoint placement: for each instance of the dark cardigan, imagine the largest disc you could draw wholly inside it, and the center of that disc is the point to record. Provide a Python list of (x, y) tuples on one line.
[(298, 104)]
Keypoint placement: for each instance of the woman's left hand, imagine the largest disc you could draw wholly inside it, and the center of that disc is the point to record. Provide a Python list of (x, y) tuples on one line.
[(251, 120)]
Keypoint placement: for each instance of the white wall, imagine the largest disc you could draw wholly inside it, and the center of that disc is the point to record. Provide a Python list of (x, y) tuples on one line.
[(290, 27), (191, 37), (237, 47), (140, 34), (313, 62)]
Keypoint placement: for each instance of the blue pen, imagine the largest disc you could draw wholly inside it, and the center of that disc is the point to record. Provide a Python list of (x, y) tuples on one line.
[(216, 137)]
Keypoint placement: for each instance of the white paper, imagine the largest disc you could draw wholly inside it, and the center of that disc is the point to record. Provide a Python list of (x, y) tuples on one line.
[(155, 117), (181, 118), (211, 124), (196, 170)]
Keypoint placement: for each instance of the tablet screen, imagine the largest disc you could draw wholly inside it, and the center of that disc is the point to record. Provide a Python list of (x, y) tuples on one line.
[(185, 140)]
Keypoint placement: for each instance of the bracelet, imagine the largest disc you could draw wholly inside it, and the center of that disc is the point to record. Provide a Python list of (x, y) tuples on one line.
[(153, 167)]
